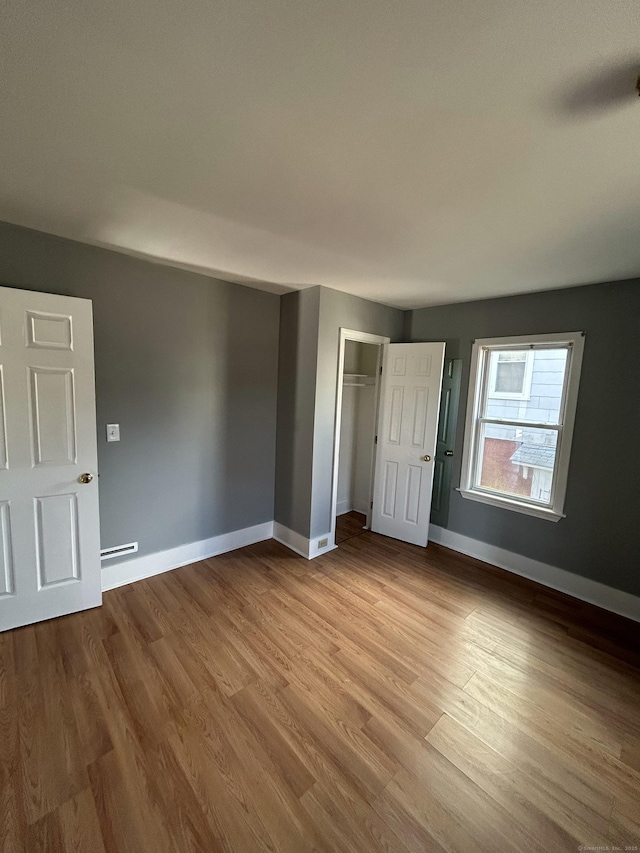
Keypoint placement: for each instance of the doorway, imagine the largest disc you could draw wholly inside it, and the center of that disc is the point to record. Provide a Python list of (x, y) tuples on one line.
[(357, 429), (387, 408), (359, 362)]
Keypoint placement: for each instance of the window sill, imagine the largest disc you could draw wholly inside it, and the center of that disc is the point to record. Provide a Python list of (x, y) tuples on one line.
[(508, 503)]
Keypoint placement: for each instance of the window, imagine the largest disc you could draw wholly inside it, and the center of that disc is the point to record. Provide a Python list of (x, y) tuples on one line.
[(520, 414)]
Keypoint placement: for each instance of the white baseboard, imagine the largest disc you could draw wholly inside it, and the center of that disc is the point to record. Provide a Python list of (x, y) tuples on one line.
[(585, 589), (163, 561), (344, 507), (307, 548), (295, 541)]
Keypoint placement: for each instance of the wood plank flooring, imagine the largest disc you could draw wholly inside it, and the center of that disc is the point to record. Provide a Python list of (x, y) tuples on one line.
[(349, 524), (379, 698)]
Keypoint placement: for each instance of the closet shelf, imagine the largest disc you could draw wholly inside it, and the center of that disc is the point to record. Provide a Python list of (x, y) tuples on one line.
[(354, 380)]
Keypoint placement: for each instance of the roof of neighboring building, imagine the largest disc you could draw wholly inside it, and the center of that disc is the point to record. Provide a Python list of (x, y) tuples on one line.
[(535, 456)]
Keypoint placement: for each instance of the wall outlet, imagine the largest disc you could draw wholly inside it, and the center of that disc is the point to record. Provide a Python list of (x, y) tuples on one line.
[(322, 543)]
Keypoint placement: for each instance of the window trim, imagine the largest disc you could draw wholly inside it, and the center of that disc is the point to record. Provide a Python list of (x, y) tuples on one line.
[(479, 390)]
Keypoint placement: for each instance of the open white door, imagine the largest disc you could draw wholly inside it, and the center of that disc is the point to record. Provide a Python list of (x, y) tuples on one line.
[(407, 428), (49, 525)]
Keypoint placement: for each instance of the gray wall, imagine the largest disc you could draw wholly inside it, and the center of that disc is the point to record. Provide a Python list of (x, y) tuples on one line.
[(299, 312), (598, 537), (187, 365), (338, 310)]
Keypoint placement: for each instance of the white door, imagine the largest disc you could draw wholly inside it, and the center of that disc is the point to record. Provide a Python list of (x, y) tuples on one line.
[(407, 431), (49, 527)]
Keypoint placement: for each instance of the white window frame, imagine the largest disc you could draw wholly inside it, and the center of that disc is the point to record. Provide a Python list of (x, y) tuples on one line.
[(525, 394), (479, 389)]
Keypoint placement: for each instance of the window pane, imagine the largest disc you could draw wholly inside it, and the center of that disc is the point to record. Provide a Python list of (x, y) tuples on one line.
[(510, 375), (518, 461), (543, 394)]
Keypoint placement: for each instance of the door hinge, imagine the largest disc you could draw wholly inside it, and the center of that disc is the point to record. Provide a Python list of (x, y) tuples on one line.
[(375, 440), (371, 507), (380, 370)]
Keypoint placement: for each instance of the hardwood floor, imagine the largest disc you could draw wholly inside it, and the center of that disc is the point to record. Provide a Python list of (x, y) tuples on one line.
[(378, 698), (348, 525)]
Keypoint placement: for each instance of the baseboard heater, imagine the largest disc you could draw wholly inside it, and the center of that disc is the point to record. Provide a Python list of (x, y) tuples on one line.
[(118, 551)]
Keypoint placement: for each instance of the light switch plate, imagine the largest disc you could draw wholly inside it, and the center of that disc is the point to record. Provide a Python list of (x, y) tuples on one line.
[(113, 432)]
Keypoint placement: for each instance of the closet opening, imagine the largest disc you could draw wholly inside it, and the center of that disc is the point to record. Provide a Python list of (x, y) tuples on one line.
[(355, 438)]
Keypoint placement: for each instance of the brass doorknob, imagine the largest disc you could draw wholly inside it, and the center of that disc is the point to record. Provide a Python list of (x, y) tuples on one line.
[(426, 458), (448, 453), (85, 478)]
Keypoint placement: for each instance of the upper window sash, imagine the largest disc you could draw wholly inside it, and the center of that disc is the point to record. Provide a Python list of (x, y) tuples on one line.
[(488, 372)]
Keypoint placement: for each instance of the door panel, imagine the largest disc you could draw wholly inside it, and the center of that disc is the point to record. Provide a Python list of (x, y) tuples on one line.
[(424, 366), (57, 538), (3, 428), (52, 415), (412, 503), (436, 498), (399, 365), (395, 419), (49, 527), (420, 408), (390, 489), (407, 427), (447, 425), (6, 552), (49, 331)]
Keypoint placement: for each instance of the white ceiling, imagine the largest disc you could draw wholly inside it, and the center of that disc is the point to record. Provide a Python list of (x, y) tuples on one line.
[(414, 152)]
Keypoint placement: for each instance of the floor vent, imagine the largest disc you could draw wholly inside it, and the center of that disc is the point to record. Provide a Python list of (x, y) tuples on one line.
[(118, 551)]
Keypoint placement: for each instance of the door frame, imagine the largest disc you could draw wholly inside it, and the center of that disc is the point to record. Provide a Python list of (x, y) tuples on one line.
[(363, 338)]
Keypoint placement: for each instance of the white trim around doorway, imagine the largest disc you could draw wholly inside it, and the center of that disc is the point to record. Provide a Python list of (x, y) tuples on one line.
[(364, 338)]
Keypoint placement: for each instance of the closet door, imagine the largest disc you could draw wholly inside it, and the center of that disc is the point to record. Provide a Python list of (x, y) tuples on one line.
[(407, 433)]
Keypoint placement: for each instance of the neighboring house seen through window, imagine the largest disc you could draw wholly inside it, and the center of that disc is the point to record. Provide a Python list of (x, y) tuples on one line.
[(511, 374), (520, 414)]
